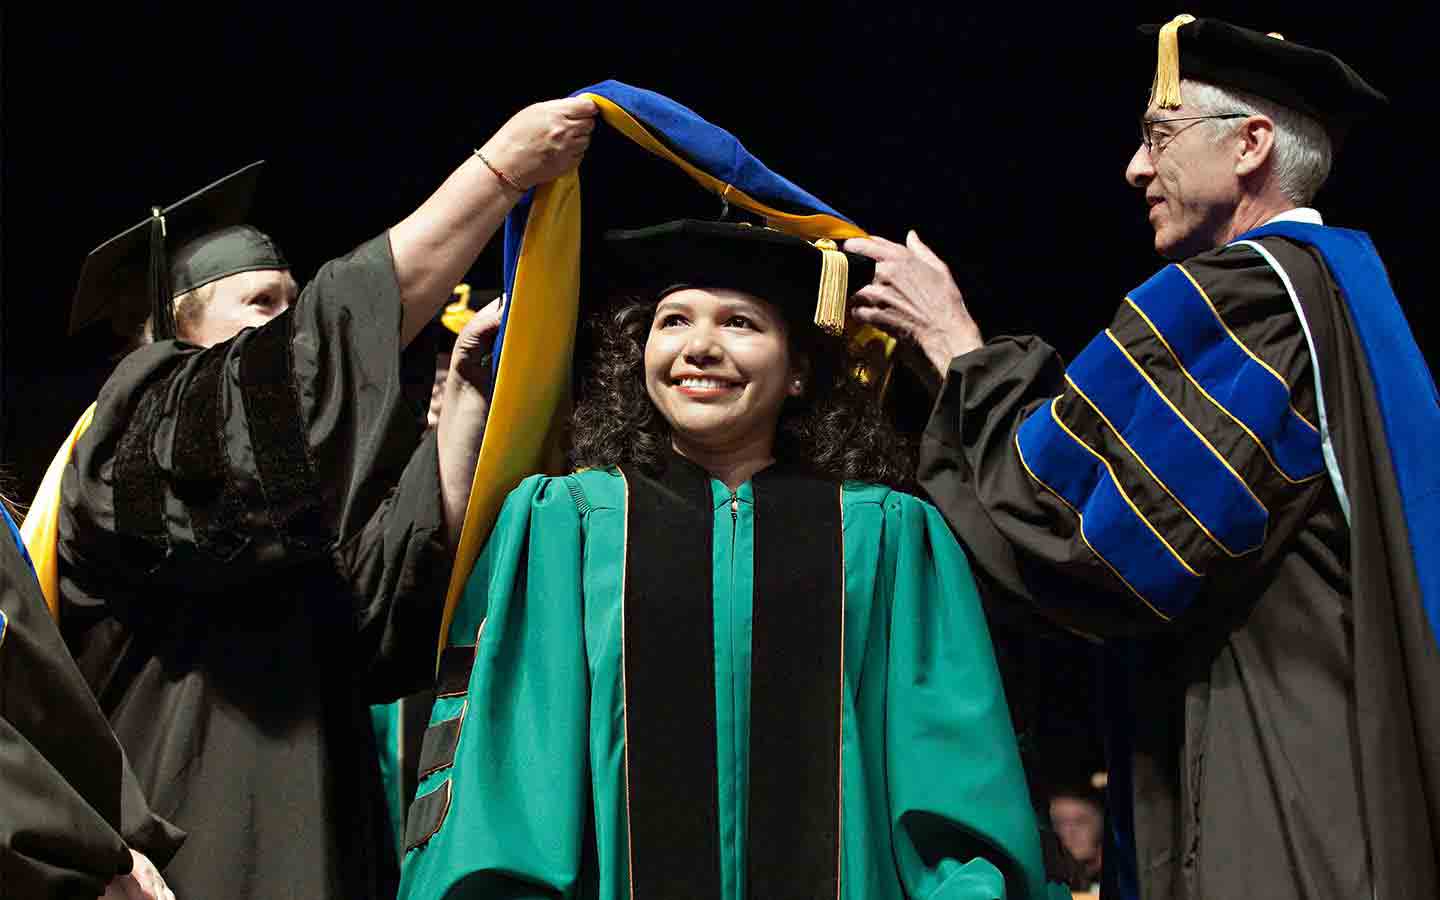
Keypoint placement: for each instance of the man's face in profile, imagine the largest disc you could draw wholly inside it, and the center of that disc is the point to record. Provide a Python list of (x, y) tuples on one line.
[(1187, 174)]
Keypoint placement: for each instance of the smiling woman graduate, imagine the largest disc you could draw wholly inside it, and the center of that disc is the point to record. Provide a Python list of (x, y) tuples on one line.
[(727, 657)]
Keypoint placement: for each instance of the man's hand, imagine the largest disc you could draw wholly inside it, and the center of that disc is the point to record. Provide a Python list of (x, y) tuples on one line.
[(543, 140), (463, 413), (143, 882), (474, 343), (470, 359), (914, 298)]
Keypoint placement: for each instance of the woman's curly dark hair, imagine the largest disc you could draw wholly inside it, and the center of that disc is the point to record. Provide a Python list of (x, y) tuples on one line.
[(836, 428)]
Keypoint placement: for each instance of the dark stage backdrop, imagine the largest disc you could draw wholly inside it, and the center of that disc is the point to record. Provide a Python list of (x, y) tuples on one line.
[(1000, 133)]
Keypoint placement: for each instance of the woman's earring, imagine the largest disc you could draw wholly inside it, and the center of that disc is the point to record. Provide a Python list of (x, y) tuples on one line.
[(799, 387)]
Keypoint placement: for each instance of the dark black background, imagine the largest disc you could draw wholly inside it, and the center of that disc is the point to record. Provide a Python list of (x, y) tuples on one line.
[(1000, 133)]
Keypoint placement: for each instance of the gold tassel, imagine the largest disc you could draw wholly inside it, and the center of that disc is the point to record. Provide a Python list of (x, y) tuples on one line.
[(872, 352), (458, 312), (1165, 89), (834, 285)]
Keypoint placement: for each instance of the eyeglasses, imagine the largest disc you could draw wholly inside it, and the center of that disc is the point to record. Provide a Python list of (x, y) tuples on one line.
[(1156, 144)]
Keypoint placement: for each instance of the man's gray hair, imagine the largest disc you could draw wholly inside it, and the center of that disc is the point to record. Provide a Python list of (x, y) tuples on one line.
[(1302, 153)]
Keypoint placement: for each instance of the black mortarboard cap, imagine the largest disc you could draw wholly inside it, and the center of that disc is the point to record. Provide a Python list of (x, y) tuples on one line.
[(811, 280), (186, 245), (1302, 78)]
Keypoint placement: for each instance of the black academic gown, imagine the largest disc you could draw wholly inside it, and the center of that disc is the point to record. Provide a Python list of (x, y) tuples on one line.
[(252, 551), (69, 803), (1276, 719)]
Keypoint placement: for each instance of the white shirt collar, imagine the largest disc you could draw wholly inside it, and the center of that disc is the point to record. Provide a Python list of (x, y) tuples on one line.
[(1300, 214)]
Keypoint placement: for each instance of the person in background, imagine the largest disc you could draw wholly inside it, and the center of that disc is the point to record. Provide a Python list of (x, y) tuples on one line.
[(400, 724), (1078, 817)]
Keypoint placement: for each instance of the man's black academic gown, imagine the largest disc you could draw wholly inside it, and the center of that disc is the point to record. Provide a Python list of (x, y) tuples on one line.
[(1275, 687), (69, 803), (251, 552)]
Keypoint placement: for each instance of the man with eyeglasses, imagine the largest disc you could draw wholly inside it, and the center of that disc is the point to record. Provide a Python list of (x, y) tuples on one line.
[(1230, 488)]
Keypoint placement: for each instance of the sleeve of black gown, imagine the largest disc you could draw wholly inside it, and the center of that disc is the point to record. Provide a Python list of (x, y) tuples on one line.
[(207, 468), (1178, 448), (69, 803)]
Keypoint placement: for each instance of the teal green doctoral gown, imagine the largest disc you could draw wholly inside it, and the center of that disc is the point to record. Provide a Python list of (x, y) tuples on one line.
[(529, 787)]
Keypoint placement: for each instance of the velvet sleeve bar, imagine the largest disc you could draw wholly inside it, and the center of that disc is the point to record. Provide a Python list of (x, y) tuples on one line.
[(291, 443), (1178, 450)]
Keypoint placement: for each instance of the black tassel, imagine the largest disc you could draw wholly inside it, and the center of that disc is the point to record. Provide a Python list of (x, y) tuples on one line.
[(162, 307)]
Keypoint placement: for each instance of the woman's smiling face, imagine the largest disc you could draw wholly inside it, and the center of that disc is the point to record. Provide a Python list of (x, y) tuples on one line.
[(718, 367)]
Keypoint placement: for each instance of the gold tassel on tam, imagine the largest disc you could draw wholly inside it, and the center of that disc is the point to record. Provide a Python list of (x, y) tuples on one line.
[(458, 312), (834, 280), (1165, 90)]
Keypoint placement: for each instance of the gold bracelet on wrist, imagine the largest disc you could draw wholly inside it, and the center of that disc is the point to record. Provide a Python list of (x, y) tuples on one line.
[(504, 179)]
